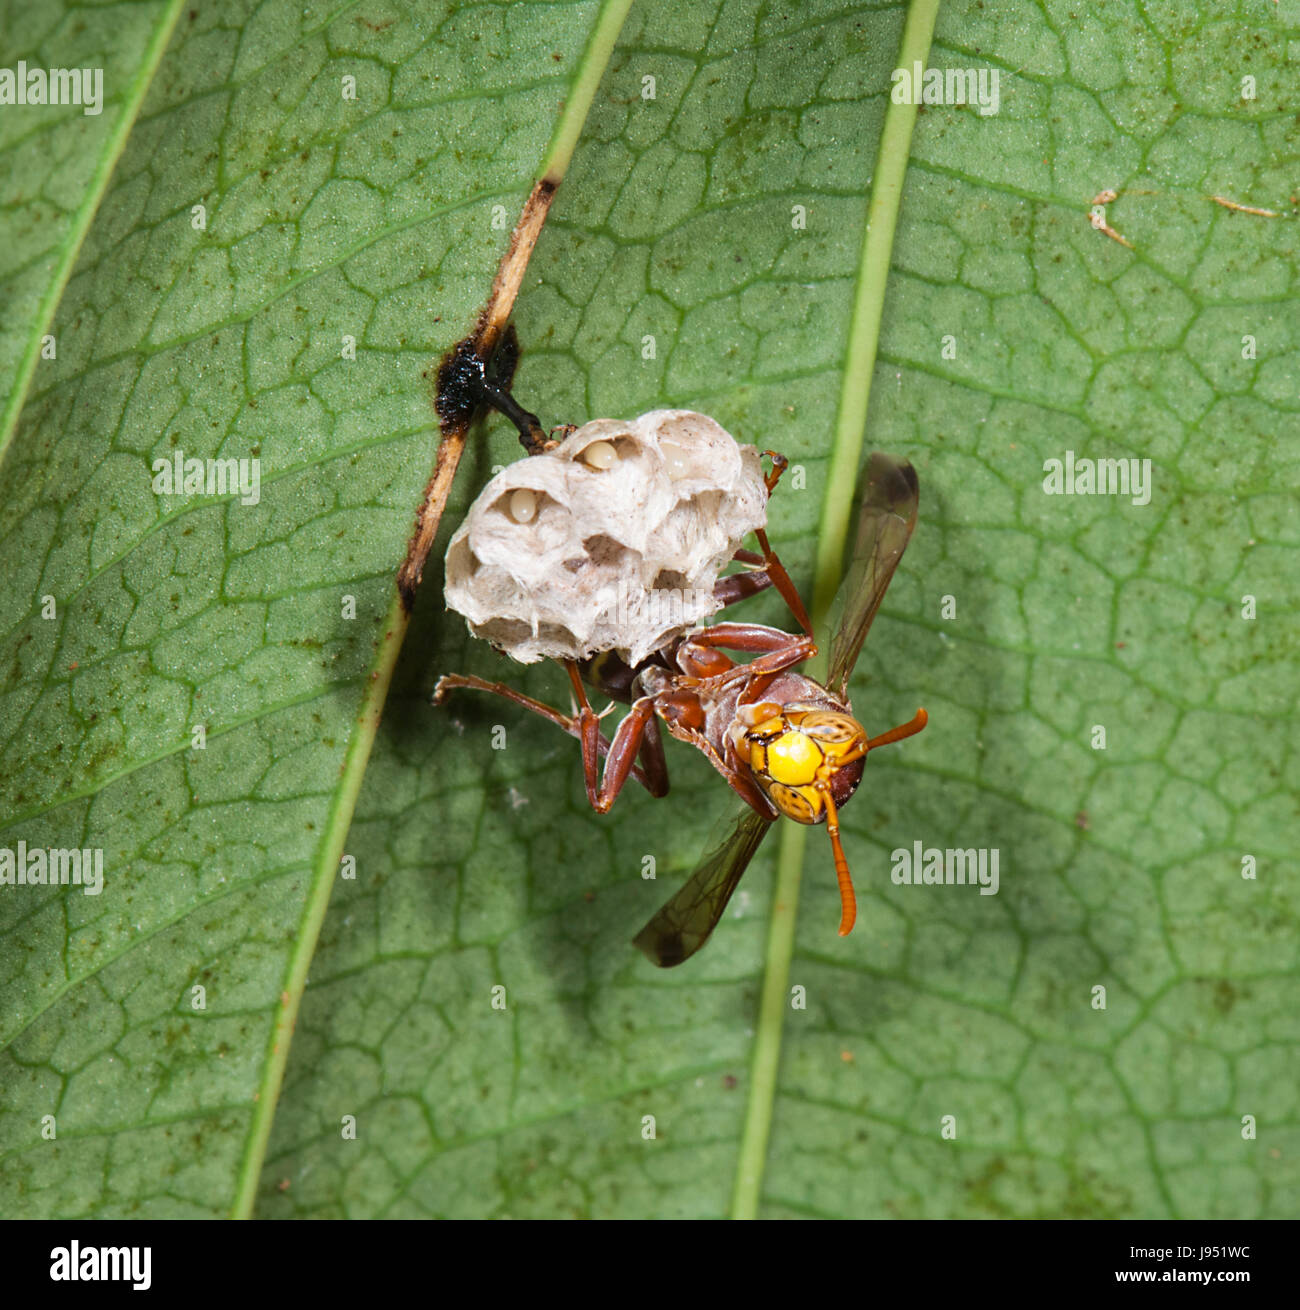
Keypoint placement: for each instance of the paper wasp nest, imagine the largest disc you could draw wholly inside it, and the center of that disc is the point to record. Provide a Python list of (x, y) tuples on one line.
[(611, 541)]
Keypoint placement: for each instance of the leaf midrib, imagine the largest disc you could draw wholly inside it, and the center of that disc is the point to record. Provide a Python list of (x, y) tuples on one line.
[(841, 481)]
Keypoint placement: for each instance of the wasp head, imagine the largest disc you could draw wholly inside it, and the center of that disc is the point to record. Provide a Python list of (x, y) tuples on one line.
[(802, 757), (808, 760)]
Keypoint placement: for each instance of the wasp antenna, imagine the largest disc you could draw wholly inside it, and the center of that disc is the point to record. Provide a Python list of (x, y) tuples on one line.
[(909, 729), (848, 899)]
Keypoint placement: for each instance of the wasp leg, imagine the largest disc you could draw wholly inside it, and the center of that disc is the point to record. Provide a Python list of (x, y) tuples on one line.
[(779, 466), (700, 657), (628, 740), (631, 736), (795, 652), (653, 763), (736, 777), (603, 788), (741, 781), (756, 686), (781, 581), (773, 566), (772, 573), (747, 637), (566, 722), (778, 651), (740, 586), (750, 638)]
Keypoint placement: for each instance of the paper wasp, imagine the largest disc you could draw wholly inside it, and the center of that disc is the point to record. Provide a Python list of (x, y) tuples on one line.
[(784, 743)]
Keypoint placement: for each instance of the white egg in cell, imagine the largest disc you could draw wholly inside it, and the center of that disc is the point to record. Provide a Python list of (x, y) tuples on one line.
[(676, 462), (523, 506), (600, 455)]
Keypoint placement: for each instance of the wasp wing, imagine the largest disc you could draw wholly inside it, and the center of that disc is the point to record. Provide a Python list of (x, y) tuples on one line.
[(683, 925), (885, 522)]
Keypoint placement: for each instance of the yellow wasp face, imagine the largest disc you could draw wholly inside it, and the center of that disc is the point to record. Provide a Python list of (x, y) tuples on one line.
[(797, 755)]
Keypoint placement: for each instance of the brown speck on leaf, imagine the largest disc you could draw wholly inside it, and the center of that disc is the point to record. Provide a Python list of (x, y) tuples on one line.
[(1102, 226), (1081, 821), (729, 1081), (846, 1056), (1245, 209), (282, 1185)]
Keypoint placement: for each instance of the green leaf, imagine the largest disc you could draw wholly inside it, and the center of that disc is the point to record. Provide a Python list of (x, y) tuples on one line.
[(479, 869)]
